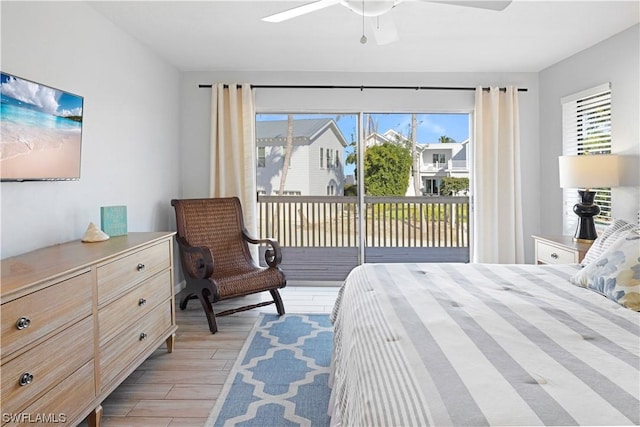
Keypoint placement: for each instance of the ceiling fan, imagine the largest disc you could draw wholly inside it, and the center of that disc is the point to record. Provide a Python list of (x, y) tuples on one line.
[(384, 27)]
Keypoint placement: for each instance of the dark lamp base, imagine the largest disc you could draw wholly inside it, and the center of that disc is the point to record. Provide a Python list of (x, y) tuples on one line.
[(586, 210)]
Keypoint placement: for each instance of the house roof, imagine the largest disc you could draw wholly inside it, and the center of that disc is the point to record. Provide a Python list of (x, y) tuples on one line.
[(274, 132), (392, 135)]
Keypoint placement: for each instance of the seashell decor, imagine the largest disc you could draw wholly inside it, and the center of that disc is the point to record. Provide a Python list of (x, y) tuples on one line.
[(94, 234)]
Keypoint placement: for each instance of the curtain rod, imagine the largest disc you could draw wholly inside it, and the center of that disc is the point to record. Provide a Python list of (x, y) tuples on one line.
[(364, 87)]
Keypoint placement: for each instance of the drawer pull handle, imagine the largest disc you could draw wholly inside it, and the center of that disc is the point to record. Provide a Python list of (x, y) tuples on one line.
[(25, 379), (140, 267), (142, 302), (143, 336), (554, 255), (23, 323)]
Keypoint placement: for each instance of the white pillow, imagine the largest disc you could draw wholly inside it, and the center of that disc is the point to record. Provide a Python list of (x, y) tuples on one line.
[(616, 230), (615, 274)]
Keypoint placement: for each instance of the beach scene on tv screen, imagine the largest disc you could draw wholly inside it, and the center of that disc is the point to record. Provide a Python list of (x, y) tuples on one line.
[(41, 130)]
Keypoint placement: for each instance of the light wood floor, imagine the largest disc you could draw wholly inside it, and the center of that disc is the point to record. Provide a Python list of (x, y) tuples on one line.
[(180, 388)]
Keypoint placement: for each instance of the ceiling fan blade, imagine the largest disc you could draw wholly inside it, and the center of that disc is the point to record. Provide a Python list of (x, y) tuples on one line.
[(480, 4), (300, 10), (384, 29)]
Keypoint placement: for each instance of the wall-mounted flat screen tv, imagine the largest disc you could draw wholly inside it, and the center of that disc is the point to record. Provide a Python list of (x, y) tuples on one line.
[(40, 131)]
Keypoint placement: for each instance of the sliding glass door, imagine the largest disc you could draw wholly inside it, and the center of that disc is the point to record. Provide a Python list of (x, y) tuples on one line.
[(307, 196), (416, 187), (337, 190)]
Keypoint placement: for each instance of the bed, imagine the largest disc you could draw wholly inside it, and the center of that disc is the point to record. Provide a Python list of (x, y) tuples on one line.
[(481, 344)]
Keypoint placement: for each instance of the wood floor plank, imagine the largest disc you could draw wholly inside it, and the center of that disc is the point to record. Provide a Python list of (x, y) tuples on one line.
[(175, 363), (182, 377), (171, 407), (109, 421), (187, 422), (134, 392), (192, 391)]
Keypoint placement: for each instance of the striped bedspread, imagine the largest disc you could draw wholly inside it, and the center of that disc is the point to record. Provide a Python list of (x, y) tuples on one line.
[(481, 344)]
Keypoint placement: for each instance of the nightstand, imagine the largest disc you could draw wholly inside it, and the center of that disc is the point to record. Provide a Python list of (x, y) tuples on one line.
[(559, 250)]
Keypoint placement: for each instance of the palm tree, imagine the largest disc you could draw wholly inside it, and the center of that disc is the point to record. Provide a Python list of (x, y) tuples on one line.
[(414, 154), (287, 154), (445, 139)]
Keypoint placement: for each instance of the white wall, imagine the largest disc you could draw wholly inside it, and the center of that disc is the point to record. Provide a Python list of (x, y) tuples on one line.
[(131, 124), (146, 126), (615, 60), (196, 106)]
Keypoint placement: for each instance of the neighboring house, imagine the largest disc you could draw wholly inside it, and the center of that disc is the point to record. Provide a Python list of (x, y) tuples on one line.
[(441, 160), (316, 167), (437, 160)]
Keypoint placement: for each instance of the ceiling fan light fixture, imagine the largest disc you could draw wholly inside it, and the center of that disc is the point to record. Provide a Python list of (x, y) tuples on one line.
[(370, 7)]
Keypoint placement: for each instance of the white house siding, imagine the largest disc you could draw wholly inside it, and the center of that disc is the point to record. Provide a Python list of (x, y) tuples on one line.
[(305, 177), (269, 176), (297, 177), (320, 178)]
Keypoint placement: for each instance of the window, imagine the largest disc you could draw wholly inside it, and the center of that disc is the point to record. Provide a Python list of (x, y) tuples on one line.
[(586, 129), (431, 186), (439, 159), (337, 159), (329, 159), (262, 157), (321, 157)]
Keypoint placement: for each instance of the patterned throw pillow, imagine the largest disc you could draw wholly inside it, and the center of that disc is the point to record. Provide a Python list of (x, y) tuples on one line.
[(617, 229), (616, 273)]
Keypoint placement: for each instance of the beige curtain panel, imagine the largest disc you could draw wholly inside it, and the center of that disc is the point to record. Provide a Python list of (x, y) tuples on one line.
[(232, 147), (497, 232)]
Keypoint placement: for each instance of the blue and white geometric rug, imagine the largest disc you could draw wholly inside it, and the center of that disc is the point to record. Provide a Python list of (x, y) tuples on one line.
[(281, 375)]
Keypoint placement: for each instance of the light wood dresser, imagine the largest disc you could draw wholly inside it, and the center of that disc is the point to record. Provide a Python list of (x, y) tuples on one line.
[(77, 319)]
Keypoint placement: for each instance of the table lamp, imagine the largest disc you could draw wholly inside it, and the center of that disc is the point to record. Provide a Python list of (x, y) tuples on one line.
[(588, 171)]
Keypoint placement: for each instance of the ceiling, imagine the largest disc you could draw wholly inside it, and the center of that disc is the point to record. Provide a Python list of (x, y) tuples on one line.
[(216, 35)]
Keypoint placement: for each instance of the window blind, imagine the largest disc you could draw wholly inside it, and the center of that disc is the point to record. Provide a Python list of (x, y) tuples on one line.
[(586, 129)]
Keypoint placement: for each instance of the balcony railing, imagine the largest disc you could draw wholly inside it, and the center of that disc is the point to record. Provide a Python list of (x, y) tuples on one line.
[(420, 222), (451, 165)]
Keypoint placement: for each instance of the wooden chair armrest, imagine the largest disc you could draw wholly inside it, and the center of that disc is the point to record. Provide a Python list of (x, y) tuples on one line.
[(273, 255), (204, 259)]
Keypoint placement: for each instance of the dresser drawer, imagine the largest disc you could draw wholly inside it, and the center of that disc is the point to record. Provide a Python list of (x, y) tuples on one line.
[(49, 363), (123, 312), (63, 403), (551, 254), (121, 351), (33, 316), (119, 275)]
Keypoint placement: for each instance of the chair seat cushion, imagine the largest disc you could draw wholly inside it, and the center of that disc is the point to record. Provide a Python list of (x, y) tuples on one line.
[(248, 282)]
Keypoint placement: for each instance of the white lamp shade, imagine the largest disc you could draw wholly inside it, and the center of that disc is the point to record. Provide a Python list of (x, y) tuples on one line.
[(589, 171)]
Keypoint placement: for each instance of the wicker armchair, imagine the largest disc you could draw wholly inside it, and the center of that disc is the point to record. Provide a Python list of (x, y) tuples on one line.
[(216, 261)]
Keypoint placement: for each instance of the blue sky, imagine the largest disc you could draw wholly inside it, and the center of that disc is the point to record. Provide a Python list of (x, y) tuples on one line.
[(40, 97), (431, 126)]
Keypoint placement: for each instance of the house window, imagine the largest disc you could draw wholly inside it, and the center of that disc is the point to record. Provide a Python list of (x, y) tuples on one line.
[(329, 159), (439, 159), (586, 129), (321, 157), (262, 157), (337, 159), (431, 186), (331, 190)]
